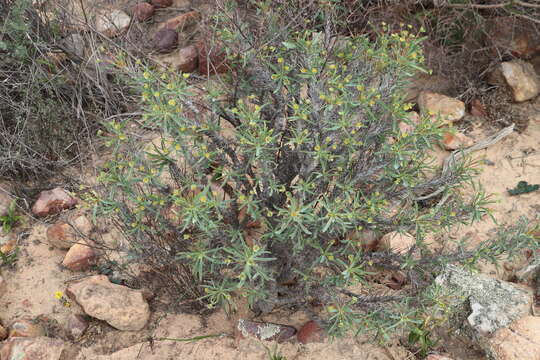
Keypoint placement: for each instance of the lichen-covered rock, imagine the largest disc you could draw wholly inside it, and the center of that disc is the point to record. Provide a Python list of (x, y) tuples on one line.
[(265, 331), (39, 348), (484, 304), (25, 328), (52, 202), (520, 341), (120, 306), (434, 105)]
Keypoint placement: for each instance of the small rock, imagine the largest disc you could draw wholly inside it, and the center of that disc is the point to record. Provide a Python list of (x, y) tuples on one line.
[(120, 306), (76, 326), (484, 304), (180, 22), (434, 104), (211, 59), (165, 40), (521, 78), (3, 333), (520, 341), (478, 109), (39, 348), (63, 235), (398, 242), (456, 141), (83, 225), (311, 332), (7, 243), (112, 22), (162, 3), (265, 331), (184, 60), (52, 202), (367, 239), (25, 328), (80, 257), (143, 11)]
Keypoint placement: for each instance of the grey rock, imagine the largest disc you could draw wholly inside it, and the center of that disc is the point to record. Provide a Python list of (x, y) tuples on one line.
[(484, 304)]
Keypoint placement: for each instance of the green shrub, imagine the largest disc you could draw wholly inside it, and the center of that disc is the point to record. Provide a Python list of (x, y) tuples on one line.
[(265, 186)]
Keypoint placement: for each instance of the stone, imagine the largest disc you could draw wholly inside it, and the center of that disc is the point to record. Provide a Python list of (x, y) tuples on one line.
[(162, 3), (3, 333), (25, 328), (52, 202), (484, 304), (121, 307), (407, 127), (211, 59), (437, 357), (184, 60), (80, 257), (521, 78), (367, 239), (165, 40), (143, 11), (397, 242), (434, 104), (39, 348), (311, 332), (454, 141), (265, 331), (180, 22), (8, 243), (112, 22), (76, 326), (64, 235), (519, 341), (478, 108)]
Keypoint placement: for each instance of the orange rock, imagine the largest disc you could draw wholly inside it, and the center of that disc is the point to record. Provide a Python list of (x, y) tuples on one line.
[(52, 202), (456, 141), (211, 59), (79, 257), (182, 21), (310, 332), (143, 11)]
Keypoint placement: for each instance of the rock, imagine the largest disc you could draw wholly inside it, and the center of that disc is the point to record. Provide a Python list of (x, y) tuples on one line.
[(434, 104), (437, 357), (64, 235), (112, 22), (3, 333), (184, 60), (211, 59), (456, 141), (25, 328), (39, 348), (367, 239), (180, 22), (76, 326), (478, 109), (143, 11), (311, 332), (265, 331), (520, 341), (407, 127), (521, 78), (424, 82), (8, 243), (52, 202), (120, 306), (398, 242), (80, 257), (509, 35), (161, 3), (484, 304), (165, 40)]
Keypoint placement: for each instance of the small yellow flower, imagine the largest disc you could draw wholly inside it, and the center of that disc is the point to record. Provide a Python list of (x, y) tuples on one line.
[(157, 94), (58, 295), (203, 199), (314, 70), (172, 102), (146, 75), (185, 76), (280, 60), (303, 70)]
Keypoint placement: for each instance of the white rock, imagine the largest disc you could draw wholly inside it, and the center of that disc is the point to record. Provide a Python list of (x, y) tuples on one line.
[(434, 104), (521, 78), (112, 23)]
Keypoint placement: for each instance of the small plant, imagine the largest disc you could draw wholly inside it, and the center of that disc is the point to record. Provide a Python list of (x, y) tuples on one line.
[(523, 187), (10, 219), (267, 186)]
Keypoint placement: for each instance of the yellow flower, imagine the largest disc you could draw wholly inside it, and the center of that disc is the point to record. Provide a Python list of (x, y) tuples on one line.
[(280, 60), (157, 94), (286, 68), (185, 76), (303, 70), (146, 75), (314, 70), (203, 199), (172, 102), (58, 295)]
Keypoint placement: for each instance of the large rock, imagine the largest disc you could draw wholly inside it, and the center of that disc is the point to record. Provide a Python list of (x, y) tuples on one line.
[(265, 331), (520, 341), (434, 104), (484, 304), (39, 348), (120, 306), (165, 40), (52, 202), (521, 78)]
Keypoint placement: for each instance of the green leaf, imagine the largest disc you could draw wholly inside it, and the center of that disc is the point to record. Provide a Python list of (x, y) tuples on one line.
[(523, 187), (289, 45)]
